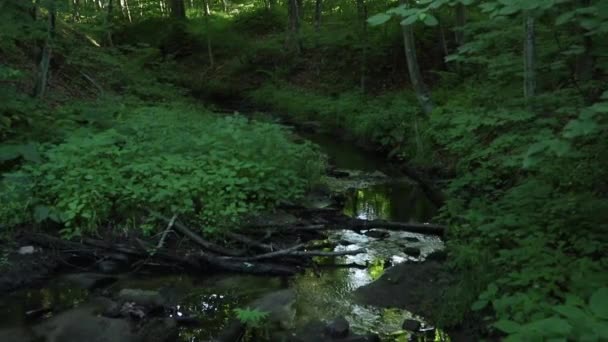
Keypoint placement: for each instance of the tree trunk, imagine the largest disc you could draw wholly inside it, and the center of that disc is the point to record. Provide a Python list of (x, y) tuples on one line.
[(225, 3), (209, 49), (420, 88), (178, 11), (206, 8), (76, 10), (45, 59), (293, 31), (529, 57), (585, 61), (442, 39), (318, 13), (127, 9), (362, 13), (108, 21), (461, 19), (35, 9)]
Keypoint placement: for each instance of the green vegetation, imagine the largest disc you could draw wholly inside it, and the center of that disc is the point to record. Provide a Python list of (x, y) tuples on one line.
[(507, 98)]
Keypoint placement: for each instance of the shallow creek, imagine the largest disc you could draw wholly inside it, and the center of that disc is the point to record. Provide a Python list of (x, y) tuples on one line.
[(323, 293)]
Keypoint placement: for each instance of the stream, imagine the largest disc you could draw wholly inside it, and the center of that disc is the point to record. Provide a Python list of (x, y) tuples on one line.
[(323, 293)]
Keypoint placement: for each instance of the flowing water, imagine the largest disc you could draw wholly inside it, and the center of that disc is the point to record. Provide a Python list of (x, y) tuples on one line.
[(323, 293)]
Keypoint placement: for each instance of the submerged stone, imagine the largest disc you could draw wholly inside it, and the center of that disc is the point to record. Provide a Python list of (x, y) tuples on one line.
[(412, 251), (377, 234), (411, 325), (26, 250), (145, 298), (89, 281), (338, 328)]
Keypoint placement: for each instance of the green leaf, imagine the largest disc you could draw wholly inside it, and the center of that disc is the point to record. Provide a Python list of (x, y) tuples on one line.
[(570, 312), (580, 127), (430, 20), (378, 19), (409, 20), (507, 326), (599, 303), (41, 213), (478, 305), (9, 152), (564, 18)]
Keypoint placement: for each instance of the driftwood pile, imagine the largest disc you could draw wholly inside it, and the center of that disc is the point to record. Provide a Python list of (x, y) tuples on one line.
[(254, 250)]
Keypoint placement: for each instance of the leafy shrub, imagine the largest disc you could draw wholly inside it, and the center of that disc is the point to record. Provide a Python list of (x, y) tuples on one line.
[(212, 169), (261, 20)]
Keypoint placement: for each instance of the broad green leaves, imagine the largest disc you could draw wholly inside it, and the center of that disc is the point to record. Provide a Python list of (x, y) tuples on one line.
[(212, 170), (599, 303), (378, 19)]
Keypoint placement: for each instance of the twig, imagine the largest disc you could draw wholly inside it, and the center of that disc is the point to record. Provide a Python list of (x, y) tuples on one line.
[(161, 242)]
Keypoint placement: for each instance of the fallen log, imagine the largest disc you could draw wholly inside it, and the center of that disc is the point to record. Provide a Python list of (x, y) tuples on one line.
[(198, 261), (250, 242), (294, 252), (358, 225), (244, 266)]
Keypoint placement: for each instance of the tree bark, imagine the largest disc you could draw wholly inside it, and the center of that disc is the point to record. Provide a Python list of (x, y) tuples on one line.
[(362, 13), (585, 61), (45, 59), (76, 10), (178, 11), (529, 57), (293, 30), (413, 67), (318, 14), (209, 47), (108, 21), (127, 8), (461, 19)]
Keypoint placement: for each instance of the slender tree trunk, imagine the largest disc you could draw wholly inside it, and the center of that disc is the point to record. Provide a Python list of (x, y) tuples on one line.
[(76, 10), (206, 8), (585, 61), (461, 19), (272, 4), (108, 21), (318, 14), (293, 31), (127, 8), (421, 90), (442, 39), (225, 3), (35, 9), (178, 11), (207, 12), (362, 12), (45, 59), (529, 57)]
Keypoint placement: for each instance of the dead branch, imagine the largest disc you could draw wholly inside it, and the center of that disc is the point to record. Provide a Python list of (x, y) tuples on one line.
[(209, 246)]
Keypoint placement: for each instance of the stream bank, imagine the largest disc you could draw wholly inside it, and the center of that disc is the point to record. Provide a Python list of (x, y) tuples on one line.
[(323, 292)]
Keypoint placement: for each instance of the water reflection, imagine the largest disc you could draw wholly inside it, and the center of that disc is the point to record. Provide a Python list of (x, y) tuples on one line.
[(399, 201)]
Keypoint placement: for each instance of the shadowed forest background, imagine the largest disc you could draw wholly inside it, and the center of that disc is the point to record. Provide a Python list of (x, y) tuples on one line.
[(110, 109)]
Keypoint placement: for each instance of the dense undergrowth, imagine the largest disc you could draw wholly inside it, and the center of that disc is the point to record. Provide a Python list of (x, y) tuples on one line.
[(527, 205)]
